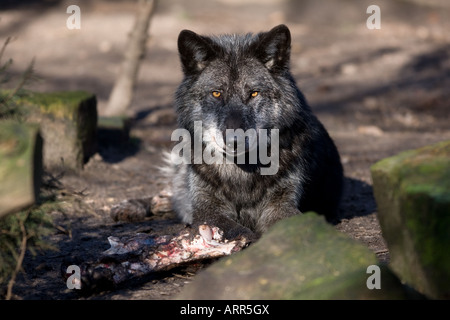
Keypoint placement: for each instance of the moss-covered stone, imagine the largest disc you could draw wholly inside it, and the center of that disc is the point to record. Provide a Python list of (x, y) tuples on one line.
[(68, 123), (62, 105), (412, 190), (301, 257), (20, 165), (114, 130)]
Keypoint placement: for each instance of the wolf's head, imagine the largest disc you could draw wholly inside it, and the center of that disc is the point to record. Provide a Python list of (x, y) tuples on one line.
[(234, 83), (272, 49)]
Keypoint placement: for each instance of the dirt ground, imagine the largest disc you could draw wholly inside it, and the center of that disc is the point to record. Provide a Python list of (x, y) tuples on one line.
[(378, 92)]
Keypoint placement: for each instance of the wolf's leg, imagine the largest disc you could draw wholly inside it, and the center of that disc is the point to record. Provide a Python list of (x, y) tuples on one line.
[(274, 214)]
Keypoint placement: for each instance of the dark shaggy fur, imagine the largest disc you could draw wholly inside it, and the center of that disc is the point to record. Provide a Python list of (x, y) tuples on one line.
[(237, 197)]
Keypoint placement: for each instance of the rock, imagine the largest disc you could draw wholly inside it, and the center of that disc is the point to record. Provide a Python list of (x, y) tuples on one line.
[(114, 130), (20, 165), (68, 122), (301, 257), (412, 191)]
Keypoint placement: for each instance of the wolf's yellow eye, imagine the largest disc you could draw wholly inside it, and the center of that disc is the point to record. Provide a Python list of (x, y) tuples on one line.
[(254, 94), (216, 94)]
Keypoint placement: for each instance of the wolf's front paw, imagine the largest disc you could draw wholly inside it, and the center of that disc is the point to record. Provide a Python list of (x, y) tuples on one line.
[(241, 233)]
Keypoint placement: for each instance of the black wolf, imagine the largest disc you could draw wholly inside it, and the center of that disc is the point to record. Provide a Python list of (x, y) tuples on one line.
[(244, 82)]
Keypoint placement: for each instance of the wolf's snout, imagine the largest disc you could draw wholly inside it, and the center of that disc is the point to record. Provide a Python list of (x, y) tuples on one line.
[(234, 120), (234, 142)]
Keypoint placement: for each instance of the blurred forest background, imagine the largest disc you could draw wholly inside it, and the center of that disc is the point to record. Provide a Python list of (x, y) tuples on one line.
[(343, 68)]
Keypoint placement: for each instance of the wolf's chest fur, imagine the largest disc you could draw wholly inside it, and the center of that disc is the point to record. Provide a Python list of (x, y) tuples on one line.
[(245, 194)]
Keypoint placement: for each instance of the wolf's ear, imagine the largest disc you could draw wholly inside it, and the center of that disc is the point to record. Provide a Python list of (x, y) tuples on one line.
[(195, 51), (274, 47)]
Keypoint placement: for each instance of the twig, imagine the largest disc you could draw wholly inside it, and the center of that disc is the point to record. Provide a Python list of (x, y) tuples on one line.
[(25, 77), (182, 277), (53, 182), (4, 46), (23, 248), (81, 193)]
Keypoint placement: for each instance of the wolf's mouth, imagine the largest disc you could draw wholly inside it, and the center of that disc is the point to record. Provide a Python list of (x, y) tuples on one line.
[(234, 145)]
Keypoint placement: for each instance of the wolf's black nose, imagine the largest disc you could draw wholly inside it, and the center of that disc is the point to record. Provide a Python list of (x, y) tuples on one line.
[(234, 141)]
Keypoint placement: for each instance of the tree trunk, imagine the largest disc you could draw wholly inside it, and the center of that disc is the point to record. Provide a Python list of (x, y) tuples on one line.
[(122, 93)]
